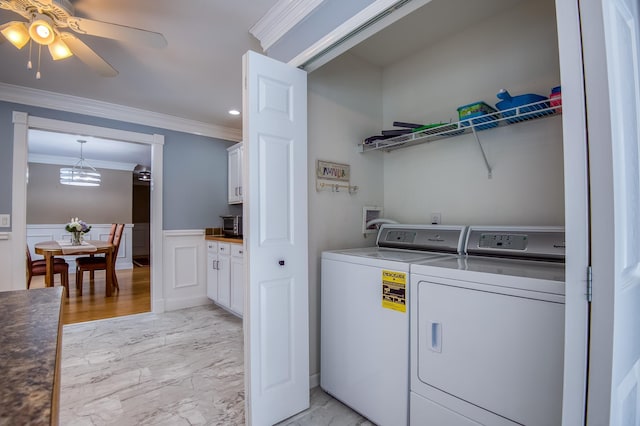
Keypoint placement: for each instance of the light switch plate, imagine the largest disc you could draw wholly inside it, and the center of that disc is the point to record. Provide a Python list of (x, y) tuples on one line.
[(5, 220)]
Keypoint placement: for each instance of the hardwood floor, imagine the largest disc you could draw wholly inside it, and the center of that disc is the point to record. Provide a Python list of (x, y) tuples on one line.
[(134, 296)]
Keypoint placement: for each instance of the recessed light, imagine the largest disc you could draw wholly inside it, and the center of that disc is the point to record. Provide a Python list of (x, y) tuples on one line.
[(234, 112)]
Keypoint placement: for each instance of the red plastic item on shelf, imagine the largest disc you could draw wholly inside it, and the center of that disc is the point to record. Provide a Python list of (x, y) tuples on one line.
[(555, 98)]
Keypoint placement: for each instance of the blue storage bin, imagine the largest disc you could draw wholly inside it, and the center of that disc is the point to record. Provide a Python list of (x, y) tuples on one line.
[(509, 102), (484, 112)]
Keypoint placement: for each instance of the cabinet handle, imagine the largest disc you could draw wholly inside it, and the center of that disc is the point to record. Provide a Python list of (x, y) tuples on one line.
[(213, 264), (240, 191), (281, 262)]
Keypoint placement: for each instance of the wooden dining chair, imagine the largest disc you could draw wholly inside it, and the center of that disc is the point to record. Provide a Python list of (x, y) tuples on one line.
[(112, 233), (98, 263), (39, 267)]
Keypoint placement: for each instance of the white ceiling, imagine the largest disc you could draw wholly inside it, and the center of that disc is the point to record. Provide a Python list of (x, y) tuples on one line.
[(64, 149), (197, 76), (425, 27)]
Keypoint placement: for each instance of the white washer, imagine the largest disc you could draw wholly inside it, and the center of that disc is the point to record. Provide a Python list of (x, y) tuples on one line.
[(364, 352), (487, 333)]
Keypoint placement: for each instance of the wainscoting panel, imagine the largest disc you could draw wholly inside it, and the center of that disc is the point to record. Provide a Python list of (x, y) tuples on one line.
[(184, 269), (48, 232)]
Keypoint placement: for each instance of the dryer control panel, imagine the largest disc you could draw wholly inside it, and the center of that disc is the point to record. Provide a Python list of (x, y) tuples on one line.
[(503, 241), (537, 242)]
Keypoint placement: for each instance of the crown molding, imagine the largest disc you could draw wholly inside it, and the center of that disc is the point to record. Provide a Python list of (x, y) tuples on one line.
[(75, 104), (71, 161), (280, 19)]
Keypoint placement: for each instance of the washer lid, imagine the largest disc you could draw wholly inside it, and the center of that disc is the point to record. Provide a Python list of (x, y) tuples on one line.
[(407, 256)]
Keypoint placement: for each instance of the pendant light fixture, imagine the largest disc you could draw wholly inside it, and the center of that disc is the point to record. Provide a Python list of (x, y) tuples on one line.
[(143, 173), (81, 174)]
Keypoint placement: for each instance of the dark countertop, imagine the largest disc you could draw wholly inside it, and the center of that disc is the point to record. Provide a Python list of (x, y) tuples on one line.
[(30, 343)]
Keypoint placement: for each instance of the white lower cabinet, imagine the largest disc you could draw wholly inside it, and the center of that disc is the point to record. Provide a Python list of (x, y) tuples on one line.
[(212, 272), (237, 279), (225, 275)]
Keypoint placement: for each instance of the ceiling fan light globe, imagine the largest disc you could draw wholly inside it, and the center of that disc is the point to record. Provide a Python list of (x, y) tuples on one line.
[(41, 30), (59, 49), (17, 34)]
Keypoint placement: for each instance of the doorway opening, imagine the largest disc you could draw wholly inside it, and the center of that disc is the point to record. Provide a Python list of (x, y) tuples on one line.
[(137, 284)]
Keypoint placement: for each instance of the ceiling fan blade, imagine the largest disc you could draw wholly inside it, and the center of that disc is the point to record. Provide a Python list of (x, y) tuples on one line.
[(117, 32), (88, 56)]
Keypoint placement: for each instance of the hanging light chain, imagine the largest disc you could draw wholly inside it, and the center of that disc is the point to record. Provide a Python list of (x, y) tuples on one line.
[(29, 64), (39, 54)]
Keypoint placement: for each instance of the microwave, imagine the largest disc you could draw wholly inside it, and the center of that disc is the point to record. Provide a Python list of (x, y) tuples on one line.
[(232, 226)]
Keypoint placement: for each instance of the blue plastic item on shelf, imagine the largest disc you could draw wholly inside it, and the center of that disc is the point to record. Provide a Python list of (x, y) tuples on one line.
[(509, 102), (484, 112)]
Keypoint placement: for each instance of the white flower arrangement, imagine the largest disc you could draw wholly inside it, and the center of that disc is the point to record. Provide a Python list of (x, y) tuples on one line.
[(77, 225)]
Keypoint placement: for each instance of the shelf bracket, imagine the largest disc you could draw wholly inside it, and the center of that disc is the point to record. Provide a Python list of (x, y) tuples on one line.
[(484, 156)]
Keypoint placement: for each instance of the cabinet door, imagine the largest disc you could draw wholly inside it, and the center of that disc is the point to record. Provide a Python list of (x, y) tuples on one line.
[(212, 271), (235, 174), (237, 280), (239, 173), (224, 280)]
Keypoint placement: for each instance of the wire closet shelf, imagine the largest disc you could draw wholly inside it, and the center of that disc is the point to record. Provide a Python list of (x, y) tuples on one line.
[(528, 112)]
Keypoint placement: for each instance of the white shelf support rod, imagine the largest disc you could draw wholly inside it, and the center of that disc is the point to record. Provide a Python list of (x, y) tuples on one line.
[(484, 156)]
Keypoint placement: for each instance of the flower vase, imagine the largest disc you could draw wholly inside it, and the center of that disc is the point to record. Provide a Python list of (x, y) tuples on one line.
[(76, 238)]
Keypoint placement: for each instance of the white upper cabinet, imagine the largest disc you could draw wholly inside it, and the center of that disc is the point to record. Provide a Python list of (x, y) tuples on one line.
[(235, 174)]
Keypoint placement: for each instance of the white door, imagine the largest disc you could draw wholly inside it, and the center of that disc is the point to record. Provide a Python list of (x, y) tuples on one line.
[(275, 218), (611, 31), (496, 342)]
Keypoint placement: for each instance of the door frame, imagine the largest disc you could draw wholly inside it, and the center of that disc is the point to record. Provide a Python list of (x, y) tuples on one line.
[(22, 122)]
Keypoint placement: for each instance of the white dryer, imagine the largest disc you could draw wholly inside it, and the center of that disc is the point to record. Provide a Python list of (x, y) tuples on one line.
[(364, 348), (487, 332)]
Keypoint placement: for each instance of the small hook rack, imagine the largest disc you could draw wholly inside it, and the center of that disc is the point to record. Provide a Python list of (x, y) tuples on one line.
[(335, 187)]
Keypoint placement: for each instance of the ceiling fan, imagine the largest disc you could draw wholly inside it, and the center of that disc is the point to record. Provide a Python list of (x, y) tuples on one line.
[(46, 25)]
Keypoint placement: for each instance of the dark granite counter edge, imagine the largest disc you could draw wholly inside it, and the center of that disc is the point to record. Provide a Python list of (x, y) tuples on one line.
[(30, 346)]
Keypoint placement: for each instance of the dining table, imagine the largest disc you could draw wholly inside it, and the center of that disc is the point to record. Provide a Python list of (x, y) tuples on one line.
[(50, 249)]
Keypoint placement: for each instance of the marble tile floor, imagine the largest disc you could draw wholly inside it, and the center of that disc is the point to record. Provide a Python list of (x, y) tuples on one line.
[(182, 367)]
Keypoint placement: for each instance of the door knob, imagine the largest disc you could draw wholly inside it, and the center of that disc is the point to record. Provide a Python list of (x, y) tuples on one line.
[(281, 262)]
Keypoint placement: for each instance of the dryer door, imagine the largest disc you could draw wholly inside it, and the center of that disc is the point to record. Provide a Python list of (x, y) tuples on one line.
[(500, 352)]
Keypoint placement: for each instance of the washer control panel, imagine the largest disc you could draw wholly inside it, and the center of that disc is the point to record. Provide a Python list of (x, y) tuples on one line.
[(440, 238)]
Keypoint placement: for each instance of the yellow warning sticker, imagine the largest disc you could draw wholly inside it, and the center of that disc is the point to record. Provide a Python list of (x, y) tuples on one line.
[(394, 294)]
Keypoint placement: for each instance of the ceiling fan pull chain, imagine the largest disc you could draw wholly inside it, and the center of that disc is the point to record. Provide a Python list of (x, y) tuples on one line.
[(29, 65), (39, 52)]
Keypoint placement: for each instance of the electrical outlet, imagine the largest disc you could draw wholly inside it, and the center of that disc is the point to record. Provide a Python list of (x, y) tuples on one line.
[(5, 220), (436, 218)]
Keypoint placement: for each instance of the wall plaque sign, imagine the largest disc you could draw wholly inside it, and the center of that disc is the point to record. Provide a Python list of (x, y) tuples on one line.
[(333, 171)]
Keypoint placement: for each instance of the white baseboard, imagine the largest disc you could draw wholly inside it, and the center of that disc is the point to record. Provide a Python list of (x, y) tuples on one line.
[(157, 306), (189, 302)]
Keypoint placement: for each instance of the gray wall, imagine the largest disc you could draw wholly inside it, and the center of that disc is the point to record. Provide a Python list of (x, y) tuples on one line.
[(50, 202), (195, 168)]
